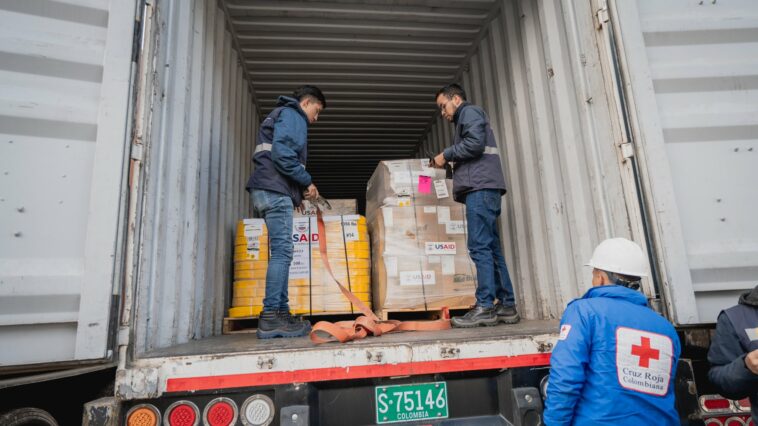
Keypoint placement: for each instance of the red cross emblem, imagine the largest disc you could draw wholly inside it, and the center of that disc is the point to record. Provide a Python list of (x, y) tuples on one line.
[(645, 352)]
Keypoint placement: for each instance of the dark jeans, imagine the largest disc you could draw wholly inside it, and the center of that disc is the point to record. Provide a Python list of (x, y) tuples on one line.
[(276, 210), (493, 281)]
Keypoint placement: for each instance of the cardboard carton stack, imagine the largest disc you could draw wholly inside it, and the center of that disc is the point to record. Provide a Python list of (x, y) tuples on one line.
[(346, 206), (420, 258), (311, 288)]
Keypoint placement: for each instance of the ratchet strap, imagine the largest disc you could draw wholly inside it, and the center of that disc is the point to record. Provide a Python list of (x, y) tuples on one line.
[(367, 324)]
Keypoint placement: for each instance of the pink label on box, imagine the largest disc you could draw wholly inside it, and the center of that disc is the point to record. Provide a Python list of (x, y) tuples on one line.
[(424, 184)]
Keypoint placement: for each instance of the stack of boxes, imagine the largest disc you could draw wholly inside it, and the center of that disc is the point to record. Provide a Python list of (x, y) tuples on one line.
[(418, 233), (311, 288)]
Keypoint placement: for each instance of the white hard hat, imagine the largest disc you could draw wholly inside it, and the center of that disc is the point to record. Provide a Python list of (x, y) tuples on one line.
[(621, 256)]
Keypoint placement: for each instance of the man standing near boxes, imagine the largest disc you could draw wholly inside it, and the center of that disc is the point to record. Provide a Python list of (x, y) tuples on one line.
[(277, 185), (478, 183)]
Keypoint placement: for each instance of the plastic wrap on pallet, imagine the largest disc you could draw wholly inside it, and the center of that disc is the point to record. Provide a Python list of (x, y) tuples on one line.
[(402, 183), (311, 288), (344, 206), (420, 256)]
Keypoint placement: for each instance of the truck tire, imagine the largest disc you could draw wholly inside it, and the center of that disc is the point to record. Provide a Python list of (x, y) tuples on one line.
[(28, 416)]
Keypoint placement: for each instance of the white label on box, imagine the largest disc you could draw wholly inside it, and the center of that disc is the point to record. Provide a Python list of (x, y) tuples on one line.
[(302, 235), (390, 262), (253, 227), (433, 259), (417, 278), (394, 166), (442, 247), (387, 213), (350, 230), (443, 214), (353, 217), (441, 189), (430, 209), (403, 201), (454, 227), (424, 163), (448, 265)]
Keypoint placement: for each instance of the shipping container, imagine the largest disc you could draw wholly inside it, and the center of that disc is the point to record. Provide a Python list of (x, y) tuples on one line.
[(127, 129)]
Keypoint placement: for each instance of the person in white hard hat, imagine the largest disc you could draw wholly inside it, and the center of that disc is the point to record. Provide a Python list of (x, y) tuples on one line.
[(615, 359)]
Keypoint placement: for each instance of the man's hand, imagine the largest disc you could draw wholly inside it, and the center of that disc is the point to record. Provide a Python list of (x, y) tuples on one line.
[(439, 161), (301, 208), (751, 361), (311, 193)]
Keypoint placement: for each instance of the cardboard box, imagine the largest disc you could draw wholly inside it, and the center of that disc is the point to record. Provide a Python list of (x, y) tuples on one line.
[(420, 258), (344, 206), (404, 183), (311, 288)]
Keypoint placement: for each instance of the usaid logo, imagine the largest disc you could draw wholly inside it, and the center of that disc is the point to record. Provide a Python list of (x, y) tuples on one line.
[(643, 361), (440, 248)]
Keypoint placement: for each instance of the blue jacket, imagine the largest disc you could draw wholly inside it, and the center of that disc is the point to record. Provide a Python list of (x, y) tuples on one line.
[(475, 153), (736, 335), (614, 363), (281, 151)]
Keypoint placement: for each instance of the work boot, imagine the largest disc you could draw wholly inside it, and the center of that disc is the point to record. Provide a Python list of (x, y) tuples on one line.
[(285, 313), (272, 324), (477, 316), (507, 315)]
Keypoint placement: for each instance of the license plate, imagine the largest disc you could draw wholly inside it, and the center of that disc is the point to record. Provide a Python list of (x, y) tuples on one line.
[(405, 403)]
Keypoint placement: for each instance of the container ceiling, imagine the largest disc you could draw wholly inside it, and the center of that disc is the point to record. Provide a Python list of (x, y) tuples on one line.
[(378, 63)]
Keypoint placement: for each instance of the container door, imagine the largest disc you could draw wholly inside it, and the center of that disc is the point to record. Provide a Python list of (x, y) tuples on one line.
[(692, 92), (64, 94)]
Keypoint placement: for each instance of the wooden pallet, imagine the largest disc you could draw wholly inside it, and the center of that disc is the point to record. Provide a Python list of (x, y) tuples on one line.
[(419, 315), (250, 324)]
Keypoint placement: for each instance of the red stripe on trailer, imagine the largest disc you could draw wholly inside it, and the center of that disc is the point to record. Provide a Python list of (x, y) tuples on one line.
[(355, 372)]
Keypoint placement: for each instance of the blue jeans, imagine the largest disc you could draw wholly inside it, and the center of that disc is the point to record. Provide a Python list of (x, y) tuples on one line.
[(493, 281), (276, 210)]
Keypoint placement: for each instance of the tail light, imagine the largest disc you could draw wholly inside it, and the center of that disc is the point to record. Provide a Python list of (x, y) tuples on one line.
[(143, 415), (220, 412), (715, 404), (258, 410), (734, 421), (714, 421), (182, 413), (743, 405)]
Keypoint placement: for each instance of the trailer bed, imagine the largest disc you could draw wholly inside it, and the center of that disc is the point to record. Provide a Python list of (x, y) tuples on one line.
[(242, 360)]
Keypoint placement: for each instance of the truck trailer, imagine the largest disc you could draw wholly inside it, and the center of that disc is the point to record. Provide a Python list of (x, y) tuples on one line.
[(138, 118)]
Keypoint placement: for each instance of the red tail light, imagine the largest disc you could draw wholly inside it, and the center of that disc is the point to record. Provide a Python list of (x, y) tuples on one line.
[(220, 412), (734, 421), (743, 405), (182, 413), (714, 421), (715, 404)]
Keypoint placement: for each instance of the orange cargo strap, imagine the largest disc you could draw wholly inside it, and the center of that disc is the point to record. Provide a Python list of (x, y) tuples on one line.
[(368, 323)]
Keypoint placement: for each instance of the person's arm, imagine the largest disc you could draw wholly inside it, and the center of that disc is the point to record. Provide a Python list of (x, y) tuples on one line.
[(473, 137), (568, 364), (286, 146), (728, 372)]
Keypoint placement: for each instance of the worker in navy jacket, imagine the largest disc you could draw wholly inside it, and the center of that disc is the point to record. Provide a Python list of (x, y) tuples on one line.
[(277, 186), (734, 351), (615, 359), (479, 184)]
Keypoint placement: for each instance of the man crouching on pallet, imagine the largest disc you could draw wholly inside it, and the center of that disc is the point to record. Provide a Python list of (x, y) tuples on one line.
[(277, 185), (478, 183)]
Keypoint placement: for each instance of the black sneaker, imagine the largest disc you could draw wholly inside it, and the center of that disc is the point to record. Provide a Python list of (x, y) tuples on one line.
[(508, 315), (476, 317), (272, 324)]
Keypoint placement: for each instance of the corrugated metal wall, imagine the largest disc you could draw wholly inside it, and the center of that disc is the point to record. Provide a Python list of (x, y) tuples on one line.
[(64, 85), (537, 73), (200, 141), (694, 85)]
